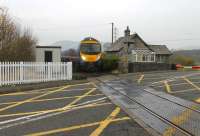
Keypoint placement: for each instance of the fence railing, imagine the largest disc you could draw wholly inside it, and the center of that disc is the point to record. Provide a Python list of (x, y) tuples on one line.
[(33, 72)]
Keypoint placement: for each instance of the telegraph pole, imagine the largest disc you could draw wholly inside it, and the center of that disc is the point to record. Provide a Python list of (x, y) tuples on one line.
[(112, 32), (115, 33)]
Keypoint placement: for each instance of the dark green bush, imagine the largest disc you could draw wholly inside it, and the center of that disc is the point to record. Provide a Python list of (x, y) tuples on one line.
[(109, 62), (77, 76)]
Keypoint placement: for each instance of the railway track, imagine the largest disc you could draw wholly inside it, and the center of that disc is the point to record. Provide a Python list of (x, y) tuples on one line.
[(187, 116), (149, 90)]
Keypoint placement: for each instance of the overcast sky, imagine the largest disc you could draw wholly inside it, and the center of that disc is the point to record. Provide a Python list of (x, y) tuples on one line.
[(175, 23)]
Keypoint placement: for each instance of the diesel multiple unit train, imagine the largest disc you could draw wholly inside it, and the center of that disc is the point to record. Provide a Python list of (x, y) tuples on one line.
[(90, 53)]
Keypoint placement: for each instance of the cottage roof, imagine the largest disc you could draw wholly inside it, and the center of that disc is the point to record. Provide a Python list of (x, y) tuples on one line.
[(122, 42), (117, 46), (160, 49)]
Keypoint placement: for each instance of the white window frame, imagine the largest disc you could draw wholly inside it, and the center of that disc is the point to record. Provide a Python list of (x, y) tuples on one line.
[(149, 57)]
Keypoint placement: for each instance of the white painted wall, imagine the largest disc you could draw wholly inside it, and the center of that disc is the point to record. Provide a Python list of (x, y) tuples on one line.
[(40, 54)]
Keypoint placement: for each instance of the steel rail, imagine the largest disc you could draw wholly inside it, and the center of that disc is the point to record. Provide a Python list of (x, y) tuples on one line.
[(194, 110)]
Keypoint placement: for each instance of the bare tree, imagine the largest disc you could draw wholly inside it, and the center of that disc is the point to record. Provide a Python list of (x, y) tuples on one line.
[(15, 44), (8, 30)]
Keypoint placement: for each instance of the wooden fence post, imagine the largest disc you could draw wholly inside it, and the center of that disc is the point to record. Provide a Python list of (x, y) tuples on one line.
[(1, 74), (69, 70), (21, 72)]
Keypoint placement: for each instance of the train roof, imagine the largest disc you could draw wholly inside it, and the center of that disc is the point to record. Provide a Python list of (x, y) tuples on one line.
[(90, 40)]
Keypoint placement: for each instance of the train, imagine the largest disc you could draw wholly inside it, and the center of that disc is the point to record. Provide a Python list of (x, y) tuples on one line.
[(90, 53)]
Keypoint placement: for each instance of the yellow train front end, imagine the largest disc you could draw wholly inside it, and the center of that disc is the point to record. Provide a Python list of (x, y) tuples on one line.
[(90, 54)]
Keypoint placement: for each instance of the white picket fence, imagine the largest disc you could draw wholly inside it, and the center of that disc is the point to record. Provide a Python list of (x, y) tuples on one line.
[(33, 72)]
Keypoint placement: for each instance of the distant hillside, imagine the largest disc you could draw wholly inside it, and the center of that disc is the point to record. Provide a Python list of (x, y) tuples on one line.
[(195, 54), (67, 44)]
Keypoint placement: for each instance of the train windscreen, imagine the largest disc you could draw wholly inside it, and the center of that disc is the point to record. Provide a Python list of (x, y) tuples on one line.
[(90, 48)]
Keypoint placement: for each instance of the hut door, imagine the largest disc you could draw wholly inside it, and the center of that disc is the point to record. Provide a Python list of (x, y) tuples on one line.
[(48, 56)]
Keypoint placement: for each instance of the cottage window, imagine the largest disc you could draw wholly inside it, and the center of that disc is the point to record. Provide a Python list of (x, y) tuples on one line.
[(152, 57), (143, 58)]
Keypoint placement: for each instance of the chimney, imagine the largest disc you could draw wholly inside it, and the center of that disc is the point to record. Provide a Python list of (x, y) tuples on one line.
[(127, 31)]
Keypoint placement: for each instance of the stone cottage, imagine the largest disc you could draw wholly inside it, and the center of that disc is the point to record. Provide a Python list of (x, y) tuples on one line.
[(134, 49)]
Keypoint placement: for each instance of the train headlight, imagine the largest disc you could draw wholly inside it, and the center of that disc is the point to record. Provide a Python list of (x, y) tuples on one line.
[(83, 58), (98, 57)]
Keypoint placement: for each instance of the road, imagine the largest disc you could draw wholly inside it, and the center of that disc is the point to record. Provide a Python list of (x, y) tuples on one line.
[(70, 110), (82, 109)]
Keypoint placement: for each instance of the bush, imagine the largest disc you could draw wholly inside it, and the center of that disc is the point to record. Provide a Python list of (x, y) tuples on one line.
[(183, 60), (109, 62), (77, 76)]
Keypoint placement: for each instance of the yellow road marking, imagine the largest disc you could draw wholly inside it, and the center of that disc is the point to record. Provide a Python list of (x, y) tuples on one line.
[(40, 96), (59, 109), (26, 113), (74, 127), (168, 88), (181, 91), (40, 90), (33, 98), (94, 85), (55, 110), (78, 99), (140, 79), (51, 99), (52, 88), (105, 123), (195, 86), (197, 100), (35, 92), (178, 120), (31, 91), (19, 93)]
